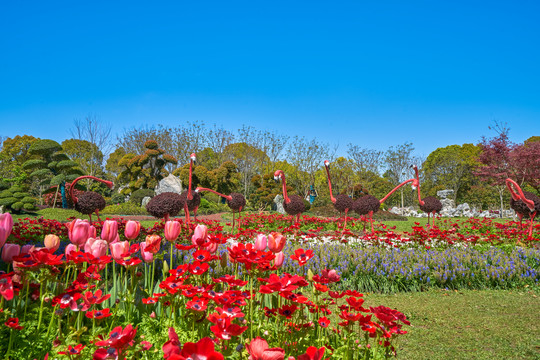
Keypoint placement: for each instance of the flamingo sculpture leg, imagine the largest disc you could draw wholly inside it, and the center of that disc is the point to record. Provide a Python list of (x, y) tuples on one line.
[(294, 204), (429, 204), (235, 201)]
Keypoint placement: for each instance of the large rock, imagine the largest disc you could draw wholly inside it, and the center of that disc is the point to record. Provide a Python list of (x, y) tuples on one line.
[(145, 201), (169, 184), (278, 200)]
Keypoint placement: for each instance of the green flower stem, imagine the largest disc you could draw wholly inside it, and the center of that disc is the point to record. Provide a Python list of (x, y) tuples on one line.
[(171, 256), (50, 322), (42, 296), (26, 298)]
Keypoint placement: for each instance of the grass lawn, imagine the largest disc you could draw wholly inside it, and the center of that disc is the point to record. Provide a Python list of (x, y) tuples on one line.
[(487, 324)]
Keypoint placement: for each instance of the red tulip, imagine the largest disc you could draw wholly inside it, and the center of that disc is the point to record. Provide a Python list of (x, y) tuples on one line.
[(78, 231), (172, 230), (276, 242), (9, 251), (52, 242), (132, 229), (6, 224), (109, 231)]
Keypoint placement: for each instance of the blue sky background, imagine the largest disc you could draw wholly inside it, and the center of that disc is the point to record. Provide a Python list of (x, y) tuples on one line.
[(375, 73)]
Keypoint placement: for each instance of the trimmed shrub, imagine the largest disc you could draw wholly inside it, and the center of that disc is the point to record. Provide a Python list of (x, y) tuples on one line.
[(137, 196)]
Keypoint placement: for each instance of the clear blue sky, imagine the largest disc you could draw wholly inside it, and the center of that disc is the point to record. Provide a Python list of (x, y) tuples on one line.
[(376, 73)]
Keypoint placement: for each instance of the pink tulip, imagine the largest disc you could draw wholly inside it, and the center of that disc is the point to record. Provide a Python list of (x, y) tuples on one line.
[(276, 242), (110, 230), (118, 249), (6, 224), (331, 275), (147, 256), (132, 229), (9, 251), (78, 231), (200, 235), (92, 232), (27, 249), (212, 247), (260, 242), (278, 261), (96, 247), (70, 248), (172, 230), (52, 242)]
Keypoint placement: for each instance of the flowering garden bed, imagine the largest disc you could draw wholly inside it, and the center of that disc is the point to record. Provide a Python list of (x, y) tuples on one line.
[(169, 291)]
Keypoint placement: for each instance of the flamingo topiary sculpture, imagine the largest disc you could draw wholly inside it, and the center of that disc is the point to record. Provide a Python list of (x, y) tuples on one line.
[(429, 204), (342, 202), (369, 204), (89, 201), (235, 201), (190, 198), (523, 203), (294, 204)]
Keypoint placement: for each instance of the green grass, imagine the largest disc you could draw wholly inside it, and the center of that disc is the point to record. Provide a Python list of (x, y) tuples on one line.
[(487, 324)]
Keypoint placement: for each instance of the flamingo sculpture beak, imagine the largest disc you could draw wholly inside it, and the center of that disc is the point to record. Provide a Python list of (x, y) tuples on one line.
[(276, 179)]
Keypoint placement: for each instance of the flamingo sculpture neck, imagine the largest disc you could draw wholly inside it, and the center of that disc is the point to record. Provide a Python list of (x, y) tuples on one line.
[(416, 184), (189, 195), (280, 174), (327, 166), (394, 189), (511, 184), (72, 188), (199, 189)]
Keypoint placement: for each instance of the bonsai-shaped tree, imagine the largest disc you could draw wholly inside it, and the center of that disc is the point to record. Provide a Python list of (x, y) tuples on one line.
[(51, 168), (146, 170)]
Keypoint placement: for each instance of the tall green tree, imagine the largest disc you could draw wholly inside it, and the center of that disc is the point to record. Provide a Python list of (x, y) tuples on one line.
[(86, 154), (451, 167)]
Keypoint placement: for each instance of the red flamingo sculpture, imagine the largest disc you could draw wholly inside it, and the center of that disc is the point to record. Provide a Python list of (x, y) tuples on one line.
[(235, 201), (523, 203), (431, 205), (294, 204), (89, 201), (342, 202), (190, 198), (369, 204)]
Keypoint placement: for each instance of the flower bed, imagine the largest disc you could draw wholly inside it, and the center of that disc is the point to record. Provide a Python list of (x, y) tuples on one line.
[(110, 298)]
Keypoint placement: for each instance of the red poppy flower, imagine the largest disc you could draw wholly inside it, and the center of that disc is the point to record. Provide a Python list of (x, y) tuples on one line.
[(98, 314), (258, 349), (150, 300), (312, 353), (198, 268), (197, 304), (203, 349), (71, 351), (223, 327), (355, 303), (302, 256), (202, 255), (105, 354), (171, 347), (184, 247), (67, 300), (288, 310), (388, 316), (336, 294), (231, 280), (324, 322), (232, 312), (13, 323), (95, 298), (321, 287), (119, 338)]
